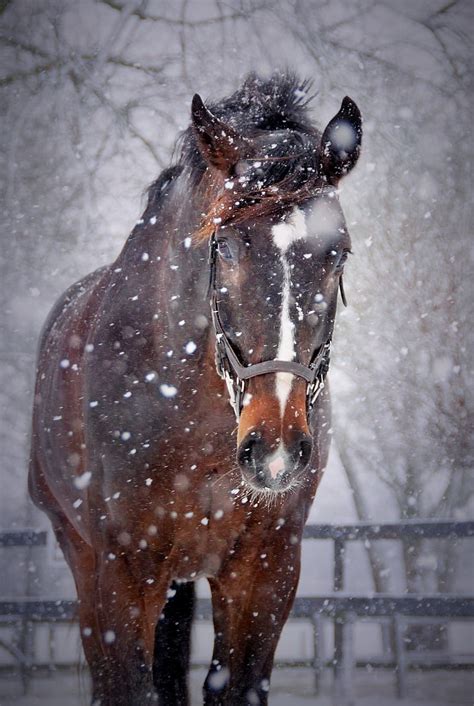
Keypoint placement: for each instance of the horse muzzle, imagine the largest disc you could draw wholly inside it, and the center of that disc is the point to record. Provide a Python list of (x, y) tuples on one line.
[(277, 467)]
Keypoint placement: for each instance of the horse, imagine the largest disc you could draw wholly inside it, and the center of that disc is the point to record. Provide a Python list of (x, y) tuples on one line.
[(181, 418)]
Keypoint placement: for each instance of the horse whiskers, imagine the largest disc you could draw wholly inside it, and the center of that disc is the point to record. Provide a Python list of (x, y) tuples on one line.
[(268, 496), (220, 478), (265, 496)]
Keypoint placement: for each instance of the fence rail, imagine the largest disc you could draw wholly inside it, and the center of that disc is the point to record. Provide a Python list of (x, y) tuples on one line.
[(23, 538), (436, 605), (407, 529), (341, 607)]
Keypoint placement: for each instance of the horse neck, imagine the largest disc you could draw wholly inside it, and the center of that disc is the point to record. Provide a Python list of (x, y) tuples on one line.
[(172, 269)]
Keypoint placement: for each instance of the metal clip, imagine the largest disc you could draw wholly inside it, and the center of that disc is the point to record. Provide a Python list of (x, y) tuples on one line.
[(230, 387), (212, 264), (315, 390)]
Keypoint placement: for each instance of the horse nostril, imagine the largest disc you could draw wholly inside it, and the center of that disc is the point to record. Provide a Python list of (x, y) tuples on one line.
[(244, 456), (251, 450), (248, 451), (303, 450)]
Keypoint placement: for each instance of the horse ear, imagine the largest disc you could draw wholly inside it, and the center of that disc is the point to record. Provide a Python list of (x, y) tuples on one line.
[(218, 143), (341, 141)]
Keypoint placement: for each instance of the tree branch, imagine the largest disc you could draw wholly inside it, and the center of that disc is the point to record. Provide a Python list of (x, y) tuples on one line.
[(186, 23), (36, 71)]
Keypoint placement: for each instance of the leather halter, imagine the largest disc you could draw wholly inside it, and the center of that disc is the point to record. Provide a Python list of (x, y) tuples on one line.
[(235, 374)]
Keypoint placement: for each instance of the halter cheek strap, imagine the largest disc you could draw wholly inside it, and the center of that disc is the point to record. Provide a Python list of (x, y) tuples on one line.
[(236, 374)]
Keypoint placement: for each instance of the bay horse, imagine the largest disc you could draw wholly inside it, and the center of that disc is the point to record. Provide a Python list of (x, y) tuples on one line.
[(225, 291)]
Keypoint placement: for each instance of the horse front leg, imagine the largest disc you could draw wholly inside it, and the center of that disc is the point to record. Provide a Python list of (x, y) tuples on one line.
[(173, 647), (83, 562), (127, 611), (251, 602)]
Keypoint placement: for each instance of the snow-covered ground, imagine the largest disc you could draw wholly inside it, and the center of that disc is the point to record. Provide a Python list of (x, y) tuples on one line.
[(290, 687)]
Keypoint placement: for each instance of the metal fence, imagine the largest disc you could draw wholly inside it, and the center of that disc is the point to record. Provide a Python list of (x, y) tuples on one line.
[(341, 607)]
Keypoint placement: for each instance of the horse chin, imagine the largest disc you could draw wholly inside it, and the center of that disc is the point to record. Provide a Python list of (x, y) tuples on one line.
[(261, 486)]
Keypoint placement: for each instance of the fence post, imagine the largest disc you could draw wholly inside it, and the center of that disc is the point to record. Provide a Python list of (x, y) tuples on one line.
[(26, 644), (343, 636), (318, 651), (400, 655), (343, 659), (338, 581)]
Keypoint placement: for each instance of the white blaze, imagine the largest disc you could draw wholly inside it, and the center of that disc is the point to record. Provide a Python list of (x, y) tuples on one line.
[(284, 235), (291, 229)]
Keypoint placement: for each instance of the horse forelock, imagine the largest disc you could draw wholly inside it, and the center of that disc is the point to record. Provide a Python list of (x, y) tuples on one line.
[(284, 165), (283, 169)]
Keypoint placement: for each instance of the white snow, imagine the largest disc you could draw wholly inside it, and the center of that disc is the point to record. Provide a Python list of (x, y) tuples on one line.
[(343, 136), (247, 399), (83, 480), (289, 687), (168, 390)]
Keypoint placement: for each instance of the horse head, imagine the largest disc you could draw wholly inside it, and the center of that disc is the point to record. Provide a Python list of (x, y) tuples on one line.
[(278, 246)]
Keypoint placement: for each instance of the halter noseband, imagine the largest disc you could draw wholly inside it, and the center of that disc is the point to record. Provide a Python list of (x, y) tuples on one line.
[(235, 374)]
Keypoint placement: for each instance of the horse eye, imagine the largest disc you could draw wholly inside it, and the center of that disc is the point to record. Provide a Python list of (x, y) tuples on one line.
[(224, 250), (342, 260)]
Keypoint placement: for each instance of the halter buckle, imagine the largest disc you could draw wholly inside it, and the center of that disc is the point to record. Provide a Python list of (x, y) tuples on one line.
[(314, 390), (236, 390)]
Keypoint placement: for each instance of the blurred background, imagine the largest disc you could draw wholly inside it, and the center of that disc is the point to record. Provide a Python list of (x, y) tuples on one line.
[(93, 95)]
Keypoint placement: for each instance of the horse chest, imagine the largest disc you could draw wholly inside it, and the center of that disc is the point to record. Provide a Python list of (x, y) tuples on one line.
[(189, 521)]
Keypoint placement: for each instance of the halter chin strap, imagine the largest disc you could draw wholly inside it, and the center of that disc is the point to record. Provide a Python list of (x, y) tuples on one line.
[(235, 374)]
